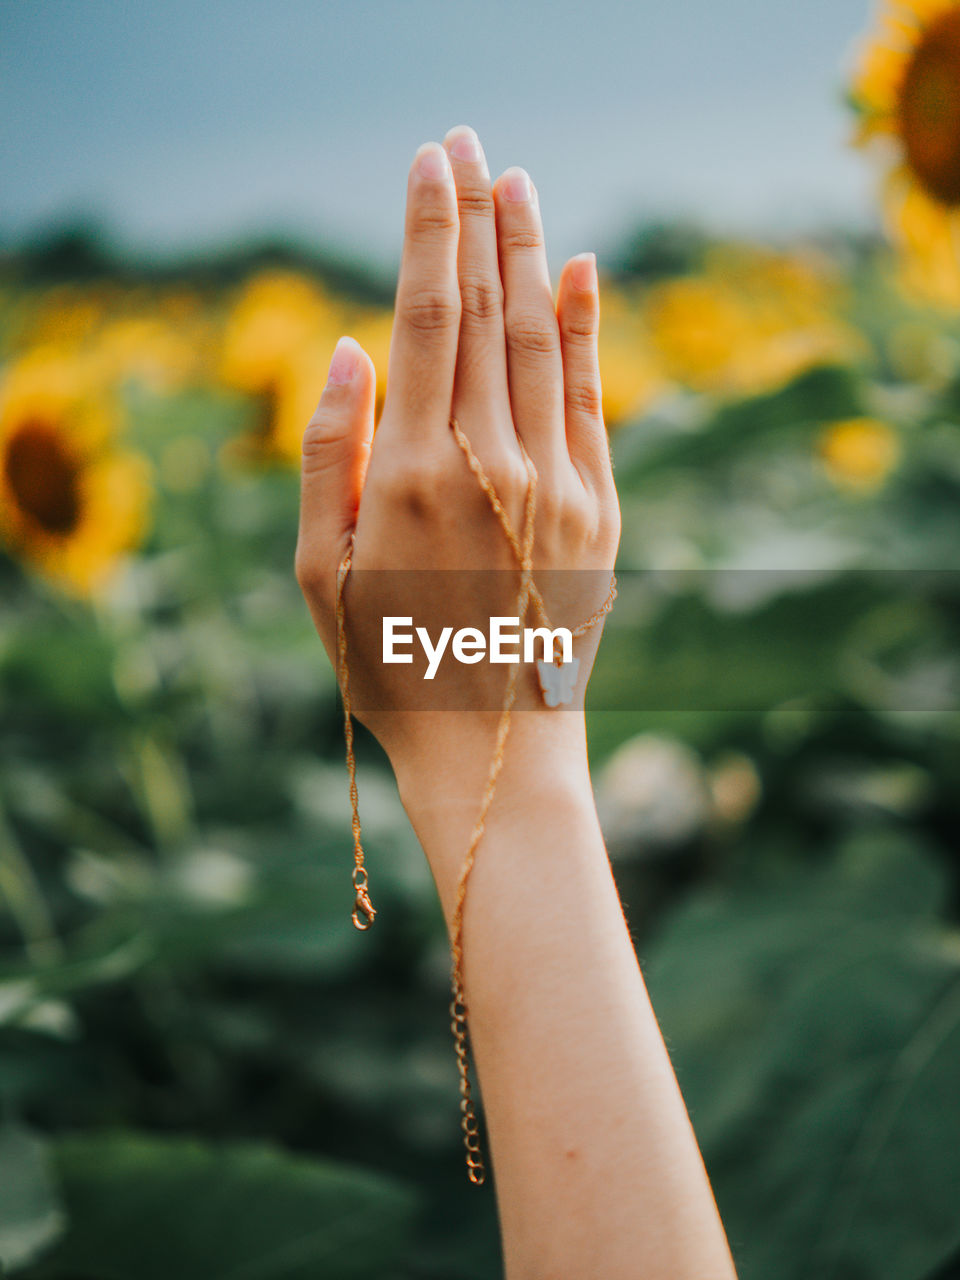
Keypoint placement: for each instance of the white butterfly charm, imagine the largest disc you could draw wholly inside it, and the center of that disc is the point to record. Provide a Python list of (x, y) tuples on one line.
[(558, 682)]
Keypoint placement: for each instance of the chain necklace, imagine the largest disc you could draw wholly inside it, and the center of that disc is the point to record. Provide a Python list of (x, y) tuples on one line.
[(555, 691)]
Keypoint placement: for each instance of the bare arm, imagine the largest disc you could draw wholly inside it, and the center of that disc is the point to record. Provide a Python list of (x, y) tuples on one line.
[(597, 1170)]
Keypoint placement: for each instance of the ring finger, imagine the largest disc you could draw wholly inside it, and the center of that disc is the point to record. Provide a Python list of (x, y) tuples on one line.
[(534, 360)]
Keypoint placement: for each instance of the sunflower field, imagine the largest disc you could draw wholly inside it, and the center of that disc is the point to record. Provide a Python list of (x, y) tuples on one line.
[(205, 1070)]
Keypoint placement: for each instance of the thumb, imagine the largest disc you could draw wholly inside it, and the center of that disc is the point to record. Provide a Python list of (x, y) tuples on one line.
[(336, 446)]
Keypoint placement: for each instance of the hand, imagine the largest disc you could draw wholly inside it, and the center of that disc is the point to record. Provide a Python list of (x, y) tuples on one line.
[(476, 335)]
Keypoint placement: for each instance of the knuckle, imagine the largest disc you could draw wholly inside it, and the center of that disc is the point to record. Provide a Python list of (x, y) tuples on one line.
[(321, 432), (585, 398), (417, 486), (432, 220), (610, 522), (431, 311), (476, 202), (580, 325), (481, 297), (508, 475), (550, 506), (306, 569), (578, 515), (326, 441), (532, 334), (520, 238), (606, 536), (567, 512)]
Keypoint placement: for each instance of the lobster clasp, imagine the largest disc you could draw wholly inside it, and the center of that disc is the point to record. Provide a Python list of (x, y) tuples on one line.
[(363, 911)]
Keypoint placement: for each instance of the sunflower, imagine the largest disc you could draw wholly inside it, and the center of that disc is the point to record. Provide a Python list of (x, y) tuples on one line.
[(276, 347), (906, 91), (71, 502), (750, 321)]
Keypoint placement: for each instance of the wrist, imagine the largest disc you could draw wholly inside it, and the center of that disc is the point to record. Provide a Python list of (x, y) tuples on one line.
[(442, 781), (444, 760)]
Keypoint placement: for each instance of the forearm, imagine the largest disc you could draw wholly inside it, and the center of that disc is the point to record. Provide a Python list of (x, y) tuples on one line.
[(597, 1169)]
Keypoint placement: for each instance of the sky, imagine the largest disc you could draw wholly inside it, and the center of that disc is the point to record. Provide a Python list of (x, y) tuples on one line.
[(190, 123)]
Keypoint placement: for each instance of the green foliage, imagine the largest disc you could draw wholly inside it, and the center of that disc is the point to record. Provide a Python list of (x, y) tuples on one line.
[(205, 1069), (31, 1217), (147, 1207), (813, 1019), (662, 249)]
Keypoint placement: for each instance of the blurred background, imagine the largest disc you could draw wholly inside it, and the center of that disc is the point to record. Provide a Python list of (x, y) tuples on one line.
[(204, 1069)]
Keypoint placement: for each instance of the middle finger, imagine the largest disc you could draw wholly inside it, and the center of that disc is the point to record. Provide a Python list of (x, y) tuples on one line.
[(481, 390)]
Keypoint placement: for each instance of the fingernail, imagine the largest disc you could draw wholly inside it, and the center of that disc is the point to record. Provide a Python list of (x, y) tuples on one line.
[(432, 161), (517, 185), (465, 144), (345, 362), (584, 272)]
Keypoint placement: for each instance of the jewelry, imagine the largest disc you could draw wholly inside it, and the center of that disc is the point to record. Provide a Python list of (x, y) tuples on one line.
[(557, 680), (557, 683)]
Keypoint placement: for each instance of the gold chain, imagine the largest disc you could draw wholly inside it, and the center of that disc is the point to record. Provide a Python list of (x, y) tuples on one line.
[(363, 911), (473, 462)]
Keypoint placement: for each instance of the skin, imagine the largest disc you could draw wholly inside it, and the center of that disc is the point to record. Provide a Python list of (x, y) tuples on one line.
[(596, 1168)]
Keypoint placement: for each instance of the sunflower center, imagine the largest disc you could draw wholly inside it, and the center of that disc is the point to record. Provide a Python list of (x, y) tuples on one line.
[(43, 477), (930, 109)]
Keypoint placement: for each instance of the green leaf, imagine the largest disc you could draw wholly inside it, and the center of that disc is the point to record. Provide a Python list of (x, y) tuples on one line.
[(814, 1024), (147, 1208), (792, 411), (30, 1214)]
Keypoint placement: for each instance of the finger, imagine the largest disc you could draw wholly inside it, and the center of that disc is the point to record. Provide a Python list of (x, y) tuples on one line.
[(578, 313), (481, 373), (336, 447), (534, 364), (423, 345)]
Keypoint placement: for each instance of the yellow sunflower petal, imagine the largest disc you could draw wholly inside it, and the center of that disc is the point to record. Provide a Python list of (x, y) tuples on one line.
[(275, 315), (373, 328), (931, 272), (630, 374), (116, 500), (859, 453), (924, 11), (876, 85)]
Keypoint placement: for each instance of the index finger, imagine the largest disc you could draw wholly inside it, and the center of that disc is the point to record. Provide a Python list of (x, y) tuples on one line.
[(426, 326)]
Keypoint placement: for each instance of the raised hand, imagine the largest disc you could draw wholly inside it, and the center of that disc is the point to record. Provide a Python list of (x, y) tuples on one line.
[(476, 336)]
